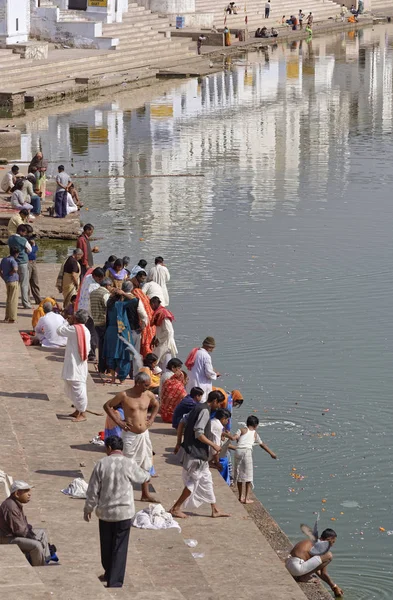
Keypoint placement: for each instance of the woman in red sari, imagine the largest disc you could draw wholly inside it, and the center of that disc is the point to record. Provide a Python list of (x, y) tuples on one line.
[(172, 393), (148, 332)]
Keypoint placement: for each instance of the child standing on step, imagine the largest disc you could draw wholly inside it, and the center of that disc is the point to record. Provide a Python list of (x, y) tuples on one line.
[(247, 437)]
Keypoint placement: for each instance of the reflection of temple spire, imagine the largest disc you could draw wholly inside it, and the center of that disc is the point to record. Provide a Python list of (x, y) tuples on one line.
[(116, 184)]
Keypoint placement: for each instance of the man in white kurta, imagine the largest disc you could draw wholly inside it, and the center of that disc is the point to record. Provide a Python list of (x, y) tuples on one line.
[(164, 341), (160, 274), (202, 373), (75, 370), (151, 289), (47, 326)]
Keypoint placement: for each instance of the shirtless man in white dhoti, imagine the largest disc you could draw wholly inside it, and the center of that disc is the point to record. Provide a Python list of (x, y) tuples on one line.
[(194, 456), (303, 562), (136, 402)]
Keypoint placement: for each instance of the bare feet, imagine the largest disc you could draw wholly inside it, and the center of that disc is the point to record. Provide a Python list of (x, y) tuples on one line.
[(74, 414), (217, 513), (178, 514), (248, 501), (148, 498), (241, 499), (79, 419)]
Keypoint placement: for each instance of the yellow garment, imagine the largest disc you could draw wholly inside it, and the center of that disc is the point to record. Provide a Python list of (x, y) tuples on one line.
[(155, 379), (39, 311), (13, 223)]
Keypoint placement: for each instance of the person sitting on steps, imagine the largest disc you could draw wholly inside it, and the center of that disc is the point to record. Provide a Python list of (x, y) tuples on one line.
[(14, 528)]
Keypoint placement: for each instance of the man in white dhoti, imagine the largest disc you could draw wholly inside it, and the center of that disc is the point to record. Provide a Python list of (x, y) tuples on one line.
[(199, 364), (160, 274), (164, 341), (75, 369), (193, 454), (136, 403)]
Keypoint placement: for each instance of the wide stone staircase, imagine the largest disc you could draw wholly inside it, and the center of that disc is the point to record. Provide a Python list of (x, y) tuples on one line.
[(255, 11), (144, 45), (40, 445)]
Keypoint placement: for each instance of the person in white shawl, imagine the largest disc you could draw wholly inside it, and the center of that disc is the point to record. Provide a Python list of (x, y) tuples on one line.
[(199, 364), (160, 274), (75, 369), (164, 341)]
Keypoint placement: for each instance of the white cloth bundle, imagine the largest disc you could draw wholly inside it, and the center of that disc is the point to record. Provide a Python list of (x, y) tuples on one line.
[(154, 517), (76, 489)]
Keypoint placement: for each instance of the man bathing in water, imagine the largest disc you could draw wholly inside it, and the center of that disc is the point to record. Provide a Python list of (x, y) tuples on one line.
[(136, 403), (303, 562)]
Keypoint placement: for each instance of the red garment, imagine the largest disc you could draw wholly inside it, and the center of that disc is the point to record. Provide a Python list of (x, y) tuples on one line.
[(149, 331), (159, 316), (172, 393), (82, 244), (190, 361), (81, 338)]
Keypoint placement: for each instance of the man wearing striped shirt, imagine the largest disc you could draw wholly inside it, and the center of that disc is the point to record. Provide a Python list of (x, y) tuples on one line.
[(98, 301)]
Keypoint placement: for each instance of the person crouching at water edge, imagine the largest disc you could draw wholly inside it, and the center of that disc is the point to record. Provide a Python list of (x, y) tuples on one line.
[(308, 557), (75, 369), (246, 438), (136, 403), (193, 455)]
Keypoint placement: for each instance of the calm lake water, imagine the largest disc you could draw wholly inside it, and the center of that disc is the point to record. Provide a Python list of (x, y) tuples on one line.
[(282, 251)]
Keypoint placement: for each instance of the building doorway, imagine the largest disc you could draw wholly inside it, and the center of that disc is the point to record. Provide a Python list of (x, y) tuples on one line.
[(77, 4)]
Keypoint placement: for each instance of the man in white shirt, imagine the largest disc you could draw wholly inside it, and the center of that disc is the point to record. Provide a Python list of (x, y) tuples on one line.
[(164, 341), (201, 369), (8, 181), (47, 326), (160, 274), (75, 369), (151, 289)]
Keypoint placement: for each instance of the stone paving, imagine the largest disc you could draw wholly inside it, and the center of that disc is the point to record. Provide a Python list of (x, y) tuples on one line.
[(41, 445)]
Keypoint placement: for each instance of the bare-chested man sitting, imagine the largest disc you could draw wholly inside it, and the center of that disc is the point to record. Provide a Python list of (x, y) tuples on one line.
[(136, 402), (302, 562)]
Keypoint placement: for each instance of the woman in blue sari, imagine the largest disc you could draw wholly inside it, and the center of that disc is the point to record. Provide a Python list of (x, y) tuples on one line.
[(115, 352)]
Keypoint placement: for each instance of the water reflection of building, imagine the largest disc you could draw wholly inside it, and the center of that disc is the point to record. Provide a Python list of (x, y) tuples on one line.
[(279, 124)]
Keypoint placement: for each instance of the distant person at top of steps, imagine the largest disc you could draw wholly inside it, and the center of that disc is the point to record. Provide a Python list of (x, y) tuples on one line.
[(14, 528), (137, 402), (267, 9)]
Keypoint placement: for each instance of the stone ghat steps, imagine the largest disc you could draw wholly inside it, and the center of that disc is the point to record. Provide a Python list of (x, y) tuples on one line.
[(256, 12), (145, 53), (47, 450)]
